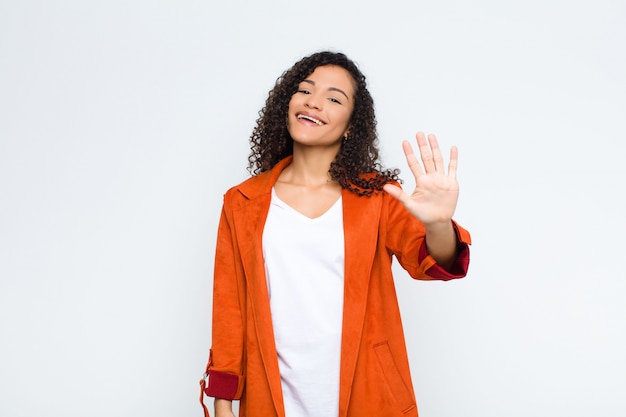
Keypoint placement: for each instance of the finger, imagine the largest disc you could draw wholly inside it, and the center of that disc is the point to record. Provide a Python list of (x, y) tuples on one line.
[(411, 159), (454, 159), (425, 152), (396, 192), (436, 153)]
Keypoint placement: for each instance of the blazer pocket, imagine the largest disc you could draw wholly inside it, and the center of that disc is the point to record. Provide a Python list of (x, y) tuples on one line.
[(397, 386)]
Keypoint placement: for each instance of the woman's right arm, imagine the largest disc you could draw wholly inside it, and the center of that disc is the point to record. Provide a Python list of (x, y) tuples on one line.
[(225, 369)]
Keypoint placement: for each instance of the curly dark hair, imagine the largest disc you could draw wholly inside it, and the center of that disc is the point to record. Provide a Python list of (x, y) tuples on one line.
[(356, 166)]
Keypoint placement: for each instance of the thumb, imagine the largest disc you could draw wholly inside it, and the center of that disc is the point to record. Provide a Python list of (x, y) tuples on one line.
[(394, 191)]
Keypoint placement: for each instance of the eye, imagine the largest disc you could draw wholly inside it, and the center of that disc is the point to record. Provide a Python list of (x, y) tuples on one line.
[(303, 91), (334, 100)]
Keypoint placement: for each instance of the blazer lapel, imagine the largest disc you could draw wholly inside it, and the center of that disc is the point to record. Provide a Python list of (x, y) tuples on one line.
[(361, 218)]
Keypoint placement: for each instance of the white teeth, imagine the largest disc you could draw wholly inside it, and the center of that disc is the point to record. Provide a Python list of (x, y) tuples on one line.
[(318, 122)]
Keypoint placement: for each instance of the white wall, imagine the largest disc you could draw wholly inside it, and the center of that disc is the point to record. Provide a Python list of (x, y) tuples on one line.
[(123, 122)]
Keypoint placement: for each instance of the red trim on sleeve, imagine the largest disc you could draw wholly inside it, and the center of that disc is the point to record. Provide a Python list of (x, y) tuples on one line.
[(461, 263), (457, 270), (224, 385)]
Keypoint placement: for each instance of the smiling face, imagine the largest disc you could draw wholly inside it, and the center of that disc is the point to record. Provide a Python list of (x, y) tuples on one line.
[(319, 112)]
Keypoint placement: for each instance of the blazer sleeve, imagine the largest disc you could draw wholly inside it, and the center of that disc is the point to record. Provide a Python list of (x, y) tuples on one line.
[(225, 369), (405, 239)]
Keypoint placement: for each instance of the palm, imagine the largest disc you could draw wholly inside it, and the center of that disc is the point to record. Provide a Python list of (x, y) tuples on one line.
[(436, 192)]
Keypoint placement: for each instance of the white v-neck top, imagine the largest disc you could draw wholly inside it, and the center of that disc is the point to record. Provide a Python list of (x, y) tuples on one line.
[(304, 265)]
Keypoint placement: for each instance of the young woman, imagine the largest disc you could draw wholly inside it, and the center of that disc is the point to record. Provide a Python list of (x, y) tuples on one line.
[(305, 317)]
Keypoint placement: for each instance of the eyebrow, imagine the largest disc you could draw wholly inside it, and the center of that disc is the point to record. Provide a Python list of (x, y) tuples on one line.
[(329, 88)]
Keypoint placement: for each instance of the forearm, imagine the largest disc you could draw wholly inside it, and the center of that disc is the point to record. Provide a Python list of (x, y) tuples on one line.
[(223, 408), (441, 243)]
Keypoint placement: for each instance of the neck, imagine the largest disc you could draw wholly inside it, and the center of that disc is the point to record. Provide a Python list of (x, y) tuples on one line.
[(310, 165)]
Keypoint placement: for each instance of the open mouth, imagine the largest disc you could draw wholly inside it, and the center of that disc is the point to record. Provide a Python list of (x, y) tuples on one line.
[(310, 119)]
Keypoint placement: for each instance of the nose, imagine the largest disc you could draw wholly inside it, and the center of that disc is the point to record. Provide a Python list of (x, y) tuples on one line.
[(313, 101)]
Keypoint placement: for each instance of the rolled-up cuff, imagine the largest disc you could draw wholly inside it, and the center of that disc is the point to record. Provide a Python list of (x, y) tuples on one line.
[(461, 263), (224, 385), (457, 270)]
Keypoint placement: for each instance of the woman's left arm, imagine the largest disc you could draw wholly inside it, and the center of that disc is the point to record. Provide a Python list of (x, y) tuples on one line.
[(434, 198)]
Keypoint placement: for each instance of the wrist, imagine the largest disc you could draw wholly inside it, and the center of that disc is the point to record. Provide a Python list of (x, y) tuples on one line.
[(438, 227), (222, 405)]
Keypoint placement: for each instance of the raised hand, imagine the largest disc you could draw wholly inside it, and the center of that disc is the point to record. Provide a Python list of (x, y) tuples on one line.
[(436, 191)]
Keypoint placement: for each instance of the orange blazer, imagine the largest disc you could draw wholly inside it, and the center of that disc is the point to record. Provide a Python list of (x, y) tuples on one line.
[(374, 375)]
